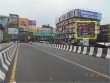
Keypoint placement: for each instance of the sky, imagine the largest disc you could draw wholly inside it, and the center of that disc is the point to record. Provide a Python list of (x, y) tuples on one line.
[(46, 11)]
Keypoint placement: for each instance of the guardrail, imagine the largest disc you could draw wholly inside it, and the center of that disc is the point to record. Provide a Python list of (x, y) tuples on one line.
[(91, 51), (5, 45), (6, 57)]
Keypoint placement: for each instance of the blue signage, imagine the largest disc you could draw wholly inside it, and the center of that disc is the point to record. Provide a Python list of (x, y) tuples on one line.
[(90, 14)]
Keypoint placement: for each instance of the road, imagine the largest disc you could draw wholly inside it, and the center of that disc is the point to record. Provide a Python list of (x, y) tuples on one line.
[(40, 63)]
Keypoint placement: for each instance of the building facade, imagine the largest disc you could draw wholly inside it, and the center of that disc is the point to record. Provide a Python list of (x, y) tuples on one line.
[(104, 35), (66, 24)]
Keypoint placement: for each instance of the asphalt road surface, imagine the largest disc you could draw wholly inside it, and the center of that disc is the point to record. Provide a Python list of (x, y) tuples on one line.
[(41, 63)]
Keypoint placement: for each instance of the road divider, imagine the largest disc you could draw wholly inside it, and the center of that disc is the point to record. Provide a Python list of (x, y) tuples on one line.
[(6, 57), (91, 51)]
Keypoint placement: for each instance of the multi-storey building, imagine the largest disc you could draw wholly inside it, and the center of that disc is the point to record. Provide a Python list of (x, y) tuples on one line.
[(3, 26), (66, 24), (104, 35)]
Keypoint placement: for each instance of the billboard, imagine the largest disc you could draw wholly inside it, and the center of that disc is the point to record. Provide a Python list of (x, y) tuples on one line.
[(12, 31), (13, 20), (86, 30), (4, 21), (90, 14), (23, 23), (32, 25)]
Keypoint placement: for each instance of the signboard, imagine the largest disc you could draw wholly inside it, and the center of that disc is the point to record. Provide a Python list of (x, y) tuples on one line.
[(13, 20), (86, 29), (23, 23), (32, 25), (90, 14), (77, 13), (12, 30), (43, 34), (4, 21)]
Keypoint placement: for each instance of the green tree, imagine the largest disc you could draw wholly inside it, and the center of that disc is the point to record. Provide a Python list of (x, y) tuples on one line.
[(6, 38)]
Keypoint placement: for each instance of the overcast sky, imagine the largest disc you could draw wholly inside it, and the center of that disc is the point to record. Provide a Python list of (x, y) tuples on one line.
[(46, 11)]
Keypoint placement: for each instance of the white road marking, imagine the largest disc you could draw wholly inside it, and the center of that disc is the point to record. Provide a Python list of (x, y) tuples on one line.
[(89, 69)]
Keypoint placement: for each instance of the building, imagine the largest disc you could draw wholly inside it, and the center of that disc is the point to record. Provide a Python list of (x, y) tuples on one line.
[(3, 26), (104, 35), (66, 24), (1, 35)]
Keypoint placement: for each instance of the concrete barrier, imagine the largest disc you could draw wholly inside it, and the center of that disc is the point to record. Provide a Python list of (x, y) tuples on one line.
[(67, 48), (92, 51), (71, 47), (6, 57), (64, 48), (108, 54)]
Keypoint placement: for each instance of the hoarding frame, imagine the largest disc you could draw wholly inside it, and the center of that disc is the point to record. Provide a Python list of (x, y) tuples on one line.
[(92, 38)]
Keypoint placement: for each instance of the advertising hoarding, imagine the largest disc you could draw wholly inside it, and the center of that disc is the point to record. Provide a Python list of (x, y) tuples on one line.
[(90, 14), (86, 30), (4, 21), (23, 23), (32, 25), (12, 30), (13, 20)]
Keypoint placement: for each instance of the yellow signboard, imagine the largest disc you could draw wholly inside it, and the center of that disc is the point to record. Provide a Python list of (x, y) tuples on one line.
[(32, 30), (85, 30), (23, 23)]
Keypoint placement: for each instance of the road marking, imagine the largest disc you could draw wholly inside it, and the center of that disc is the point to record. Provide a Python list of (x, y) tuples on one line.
[(89, 69), (12, 78)]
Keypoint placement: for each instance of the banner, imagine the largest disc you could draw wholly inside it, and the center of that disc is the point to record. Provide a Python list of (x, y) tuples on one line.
[(12, 30), (23, 23), (32, 25)]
